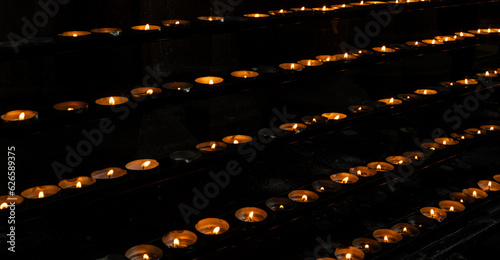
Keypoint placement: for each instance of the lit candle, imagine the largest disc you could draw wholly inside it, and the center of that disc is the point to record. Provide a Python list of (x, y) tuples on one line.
[(178, 86), (490, 127), (325, 186), (467, 82), (107, 31), (108, 173), (212, 226), (323, 9), (209, 80), (367, 245), (211, 18), (487, 74), (446, 141), (344, 178), (488, 185), (310, 63), (40, 192), (407, 96), (142, 164), (303, 196), (451, 206), (256, 15), (387, 236), (19, 115), (312, 120), (426, 92), (480, 31), (175, 23), (432, 146), (111, 101), (398, 160), (6, 201), (380, 166), (343, 57), (391, 101), (324, 58), (144, 252), (280, 12), (250, 214), (360, 109), (348, 253), (465, 34), (406, 229), (72, 106), (211, 146), (145, 91), (475, 193), (383, 49), (433, 213), (432, 42), (461, 197), (292, 66), (75, 34), (334, 116), (475, 131), (463, 136), (244, 74), (341, 6), (446, 38), (301, 9), (77, 182), (293, 127), (237, 139), (416, 155), (362, 171), (146, 27), (179, 239)]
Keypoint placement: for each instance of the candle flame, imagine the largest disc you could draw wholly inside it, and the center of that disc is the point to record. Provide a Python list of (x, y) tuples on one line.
[(359, 108), (176, 242), (367, 246), (322, 188), (346, 55), (236, 142), (314, 120), (446, 39), (41, 195), (461, 34), (213, 146), (466, 81), (492, 128), (348, 256), (178, 88), (433, 42), (282, 207), (345, 180), (210, 19), (324, 8), (478, 30), (474, 194), (281, 11), (461, 201), (362, 2), (250, 216), (432, 213), (337, 117), (391, 101), (292, 66), (432, 148), (416, 157), (146, 27), (145, 257), (295, 127), (304, 197), (425, 91), (177, 22), (359, 172), (400, 162), (308, 63), (74, 35), (487, 74), (303, 8), (404, 230), (256, 15), (416, 43), (78, 185), (145, 164), (4, 206), (110, 172), (383, 48), (21, 116), (489, 30), (478, 132), (444, 142), (216, 230), (379, 167), (452, 208), (70, 109), (149, 92), (343, 5), (112, 101), (489, 185), (386, 239), (210, 82)]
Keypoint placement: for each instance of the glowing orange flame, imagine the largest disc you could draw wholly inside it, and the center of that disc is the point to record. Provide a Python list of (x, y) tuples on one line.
[(236, 142), (362, 2), (41, 195), (110, 173), (432, 213), (391, 101), (337, 117), (348, 256), (282, 207), (21, 116), (466, 81), (256, 15), (145, 257), (492, 128), (210, 82), (359, 108), (177, 22), (489, 185), (314, 120), (346, 55), (345, 180), (281, 11), (292, 66), (416, 157), (250, 216), (149, 92), (324, 8), (379, 167), (343, 5), (78, 185), (146, 28), (4, 206), (308, 63), (432, 148), (303, 8), (404, 230), (213, 146), (461, 34), (295, 127), (461, 201), (400, 162), (425, 91), (321, 188), (367, 246), (383, 48), (444, 142), (478, 132), (452, 208), (474, 194), (462, 137), (216, 230), (176, 242), (304, 197), (487, 74), (386, 239), (74, 35), (210, 19), (433, 42), (359, 172), (111, 101), (145, 164)]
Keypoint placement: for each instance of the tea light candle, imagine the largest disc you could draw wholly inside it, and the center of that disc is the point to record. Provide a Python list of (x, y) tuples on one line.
[(142, 165), (175, 23), (416, 155), (40, 192), (211, 146), (323, 9), (72, 106), (19, 115), (487, 74), (303, 196), (465, 34), (75, 34), (142, 252), (367, 245), (449, 84), (433, 213), (292, 66), (108, 173), (310, 63), (479, 31), (7, 200), (293, 127), (421, 221), (363, 53), (451, 206), (334, 116), (416, 44), (280, 204), (77, 182), (383, 49), (237, 139), (256, 15), (446, 38), (344, 178), (145, 91), (425, 92), (179, 239), (212, 226), (490, 127), (244, 74), (467, 82), (186, 156), (398, 160), (387, 236), (311, 120), (341, 6), (461, 136), (380, 166), (432, 146), (146, 27), (349, 253), (432, 42), (461, 197), (108, 31), (301, 9), (406, 229), (211, 18), (280, 12), (343, 57), (407, 96), (376, 2), (362, 171), (325, 186), (446, 141), (391, 101), (111, 101), (250, 214), (488, 185), (324, 58), (209, 80), (475, 131), (360, 109), (475, 193), (178, 86), (361, 3)]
